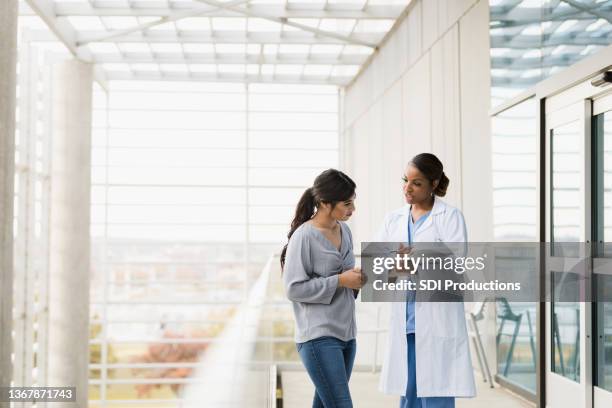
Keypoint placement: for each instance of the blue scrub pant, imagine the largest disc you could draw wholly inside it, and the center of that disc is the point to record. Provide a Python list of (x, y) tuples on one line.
[(329, 362), (411, 400)]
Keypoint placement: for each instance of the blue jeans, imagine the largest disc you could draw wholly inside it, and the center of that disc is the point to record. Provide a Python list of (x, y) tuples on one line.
[(329, 362), (411, 400)]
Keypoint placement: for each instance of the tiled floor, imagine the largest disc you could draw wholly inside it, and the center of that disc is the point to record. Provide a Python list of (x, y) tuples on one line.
[(298, 392)]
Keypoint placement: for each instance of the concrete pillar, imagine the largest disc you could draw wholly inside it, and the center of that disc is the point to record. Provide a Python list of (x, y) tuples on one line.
[(69, 228), (8, 59)]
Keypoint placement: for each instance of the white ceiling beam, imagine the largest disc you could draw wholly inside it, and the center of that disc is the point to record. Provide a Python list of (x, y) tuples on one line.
[(216, 58), (168, 19), (161, 9), (65, 34), (221, 37), (61, 28), (249, 13), (207, 77)]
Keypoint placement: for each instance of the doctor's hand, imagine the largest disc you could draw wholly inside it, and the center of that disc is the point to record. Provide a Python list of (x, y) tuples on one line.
[(401, 251), (404, 250), (351, 279)]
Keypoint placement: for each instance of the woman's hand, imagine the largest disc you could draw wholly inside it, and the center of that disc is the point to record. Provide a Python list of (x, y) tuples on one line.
[(351, 279)]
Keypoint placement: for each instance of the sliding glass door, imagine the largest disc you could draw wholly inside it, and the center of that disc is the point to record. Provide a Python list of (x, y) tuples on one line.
[(566, 228), (602, 260), (578, 143)]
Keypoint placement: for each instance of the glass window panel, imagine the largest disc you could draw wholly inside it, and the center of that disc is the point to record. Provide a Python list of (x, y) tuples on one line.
[(141, 195), (169, 86), (293, 89), (176, 214), (98, 118), (173, 138), (516, 343), (293, 103), (98, 213), (97, 231), (176, 176), (230, 233), (293, 139), (272, 214), (98, 137), (275, 196), (268, 233), (567, 176), (514, 136), (604, 333), (157, 290), (175, 157), (566, 339), (293, 121), (177, 101), (171, 235), (161, 312), (293, 158), (98, 156), (98, 175), (515, 148), (98, 195), (602, 128), (284, 176), (603, 179), (180, 120)]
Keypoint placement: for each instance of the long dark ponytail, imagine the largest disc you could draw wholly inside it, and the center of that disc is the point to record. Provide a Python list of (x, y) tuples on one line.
[(330, 187)]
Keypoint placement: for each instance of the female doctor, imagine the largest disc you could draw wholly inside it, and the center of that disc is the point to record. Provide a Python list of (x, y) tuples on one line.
[(428, 359)]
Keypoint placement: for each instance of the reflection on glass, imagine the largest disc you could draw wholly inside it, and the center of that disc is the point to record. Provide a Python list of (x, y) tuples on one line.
[(566, 222), (534, 39), (604, 334), (566, 339), (515, 178), (603, 140), (565, 326), (567, 178), (515, 172), (603, 328), (516, 342)]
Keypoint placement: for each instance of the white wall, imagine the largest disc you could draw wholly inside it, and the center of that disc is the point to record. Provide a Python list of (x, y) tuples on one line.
[(426, 90)]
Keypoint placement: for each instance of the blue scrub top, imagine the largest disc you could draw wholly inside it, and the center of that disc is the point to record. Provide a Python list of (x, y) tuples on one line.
[(412, 227)]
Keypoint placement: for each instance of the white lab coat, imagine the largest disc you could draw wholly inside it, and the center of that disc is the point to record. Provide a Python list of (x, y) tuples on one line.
[(443, 362)]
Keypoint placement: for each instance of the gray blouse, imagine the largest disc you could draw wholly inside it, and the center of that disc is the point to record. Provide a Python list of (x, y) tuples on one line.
[(310, 276)]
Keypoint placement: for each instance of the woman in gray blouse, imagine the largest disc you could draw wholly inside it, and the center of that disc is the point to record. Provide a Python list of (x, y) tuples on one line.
[(321, 280)]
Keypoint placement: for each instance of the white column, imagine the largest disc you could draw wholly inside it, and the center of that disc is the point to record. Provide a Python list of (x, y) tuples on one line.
[(69, 228), (8, 59)]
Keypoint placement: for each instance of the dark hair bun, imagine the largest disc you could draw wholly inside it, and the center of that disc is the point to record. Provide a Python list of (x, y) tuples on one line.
[(440, 190), (432, 168)]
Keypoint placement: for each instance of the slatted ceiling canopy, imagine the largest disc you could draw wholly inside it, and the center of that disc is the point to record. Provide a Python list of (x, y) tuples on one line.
[(283, 41), (533, 39)]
